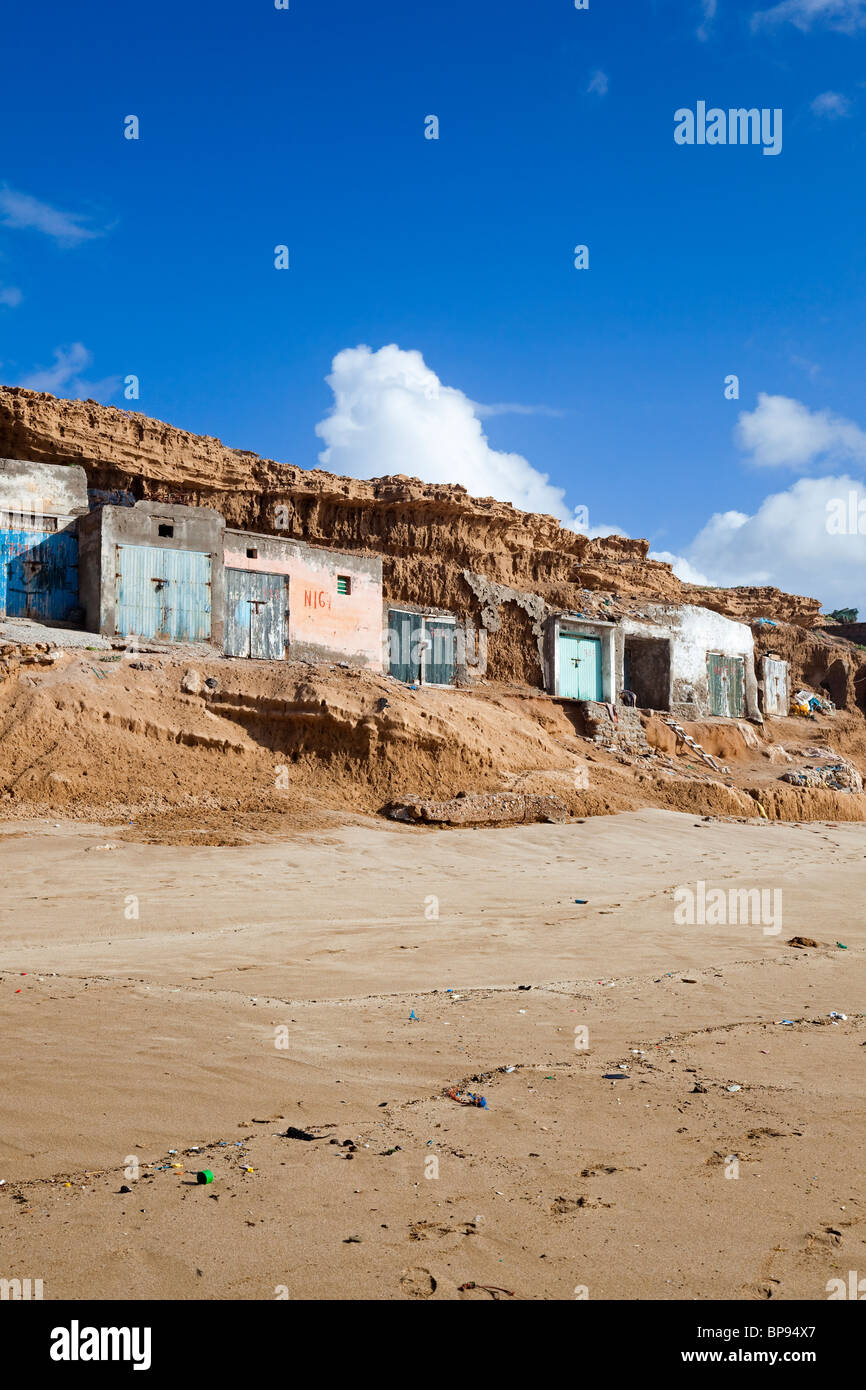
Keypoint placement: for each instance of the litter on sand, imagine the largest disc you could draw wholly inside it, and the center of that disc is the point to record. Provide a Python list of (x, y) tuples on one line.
[(467, 1098), (617, 1076)]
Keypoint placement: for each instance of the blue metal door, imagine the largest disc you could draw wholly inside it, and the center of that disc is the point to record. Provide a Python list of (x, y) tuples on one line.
[(579, 667), (256, 606), (38, 574), (163, 593)]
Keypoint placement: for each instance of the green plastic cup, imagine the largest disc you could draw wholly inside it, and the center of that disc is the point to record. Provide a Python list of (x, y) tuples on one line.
[(204, 1176)]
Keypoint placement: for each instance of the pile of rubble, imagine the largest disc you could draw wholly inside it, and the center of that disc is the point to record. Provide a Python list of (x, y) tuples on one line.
[(617, 728), (840, 776), (480, 808)]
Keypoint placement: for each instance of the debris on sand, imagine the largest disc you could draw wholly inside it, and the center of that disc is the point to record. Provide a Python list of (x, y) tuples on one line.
[(481, 808), (466, 1098)]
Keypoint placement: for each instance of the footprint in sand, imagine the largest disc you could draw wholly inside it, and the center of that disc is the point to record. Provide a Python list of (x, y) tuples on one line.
[(417, 1283)]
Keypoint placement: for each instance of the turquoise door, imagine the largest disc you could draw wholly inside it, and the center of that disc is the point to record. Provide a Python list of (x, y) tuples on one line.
[(163, 593), (579, 667)]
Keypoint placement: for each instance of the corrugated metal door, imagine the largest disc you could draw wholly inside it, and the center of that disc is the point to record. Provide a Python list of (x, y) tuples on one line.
[(404, 645), (726, 685), (579, 667), (256, 605), (163, 593), (38, 574), (440, 660), (775, 686)]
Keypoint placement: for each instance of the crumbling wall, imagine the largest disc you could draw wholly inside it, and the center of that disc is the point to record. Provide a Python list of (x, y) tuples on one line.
[(514, 626)]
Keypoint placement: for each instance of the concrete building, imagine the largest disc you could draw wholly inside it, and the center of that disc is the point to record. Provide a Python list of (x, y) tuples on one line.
[(154, 570), (689, 660), (40, 504), (680, 658), (288, 599)]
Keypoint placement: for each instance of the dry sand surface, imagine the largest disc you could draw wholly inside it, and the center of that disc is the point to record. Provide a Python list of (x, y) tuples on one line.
[(138, 1036)]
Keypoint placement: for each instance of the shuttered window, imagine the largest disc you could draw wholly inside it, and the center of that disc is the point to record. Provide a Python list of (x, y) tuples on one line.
[(344, 584)]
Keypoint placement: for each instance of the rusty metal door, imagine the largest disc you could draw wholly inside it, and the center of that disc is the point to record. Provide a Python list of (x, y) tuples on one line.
[(256, 613), (775, 686), (725, 681), (38, 574)]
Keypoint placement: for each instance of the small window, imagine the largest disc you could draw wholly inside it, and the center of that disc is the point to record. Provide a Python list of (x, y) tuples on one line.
[(252, 553), (165, 529), (344, 584)]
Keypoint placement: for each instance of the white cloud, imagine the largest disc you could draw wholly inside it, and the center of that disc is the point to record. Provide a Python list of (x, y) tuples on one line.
[(681, 567), (65, 379), (787, 543), (10, 296), (847, 16), (20, 210), (392, 414), (708, 10), (782, 432), (832, 105), (598, 83)]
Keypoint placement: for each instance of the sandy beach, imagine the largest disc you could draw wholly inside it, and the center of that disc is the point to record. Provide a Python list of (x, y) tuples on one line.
[(181, 1008)]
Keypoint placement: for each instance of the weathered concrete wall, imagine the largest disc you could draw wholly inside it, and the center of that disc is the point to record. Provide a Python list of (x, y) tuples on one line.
[(323, 625), (46, 489), (694, 632), (194, 528)]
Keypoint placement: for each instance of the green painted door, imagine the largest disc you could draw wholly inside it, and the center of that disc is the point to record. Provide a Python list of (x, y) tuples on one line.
[(404, 645), (725, 682), (579, 667), (440, 658)]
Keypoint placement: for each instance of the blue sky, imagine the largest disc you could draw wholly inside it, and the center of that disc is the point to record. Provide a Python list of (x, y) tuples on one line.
[(306, 128)]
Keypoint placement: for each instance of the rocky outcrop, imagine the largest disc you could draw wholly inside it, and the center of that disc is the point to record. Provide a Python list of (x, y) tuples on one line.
[(499, 569), (427, 533)]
